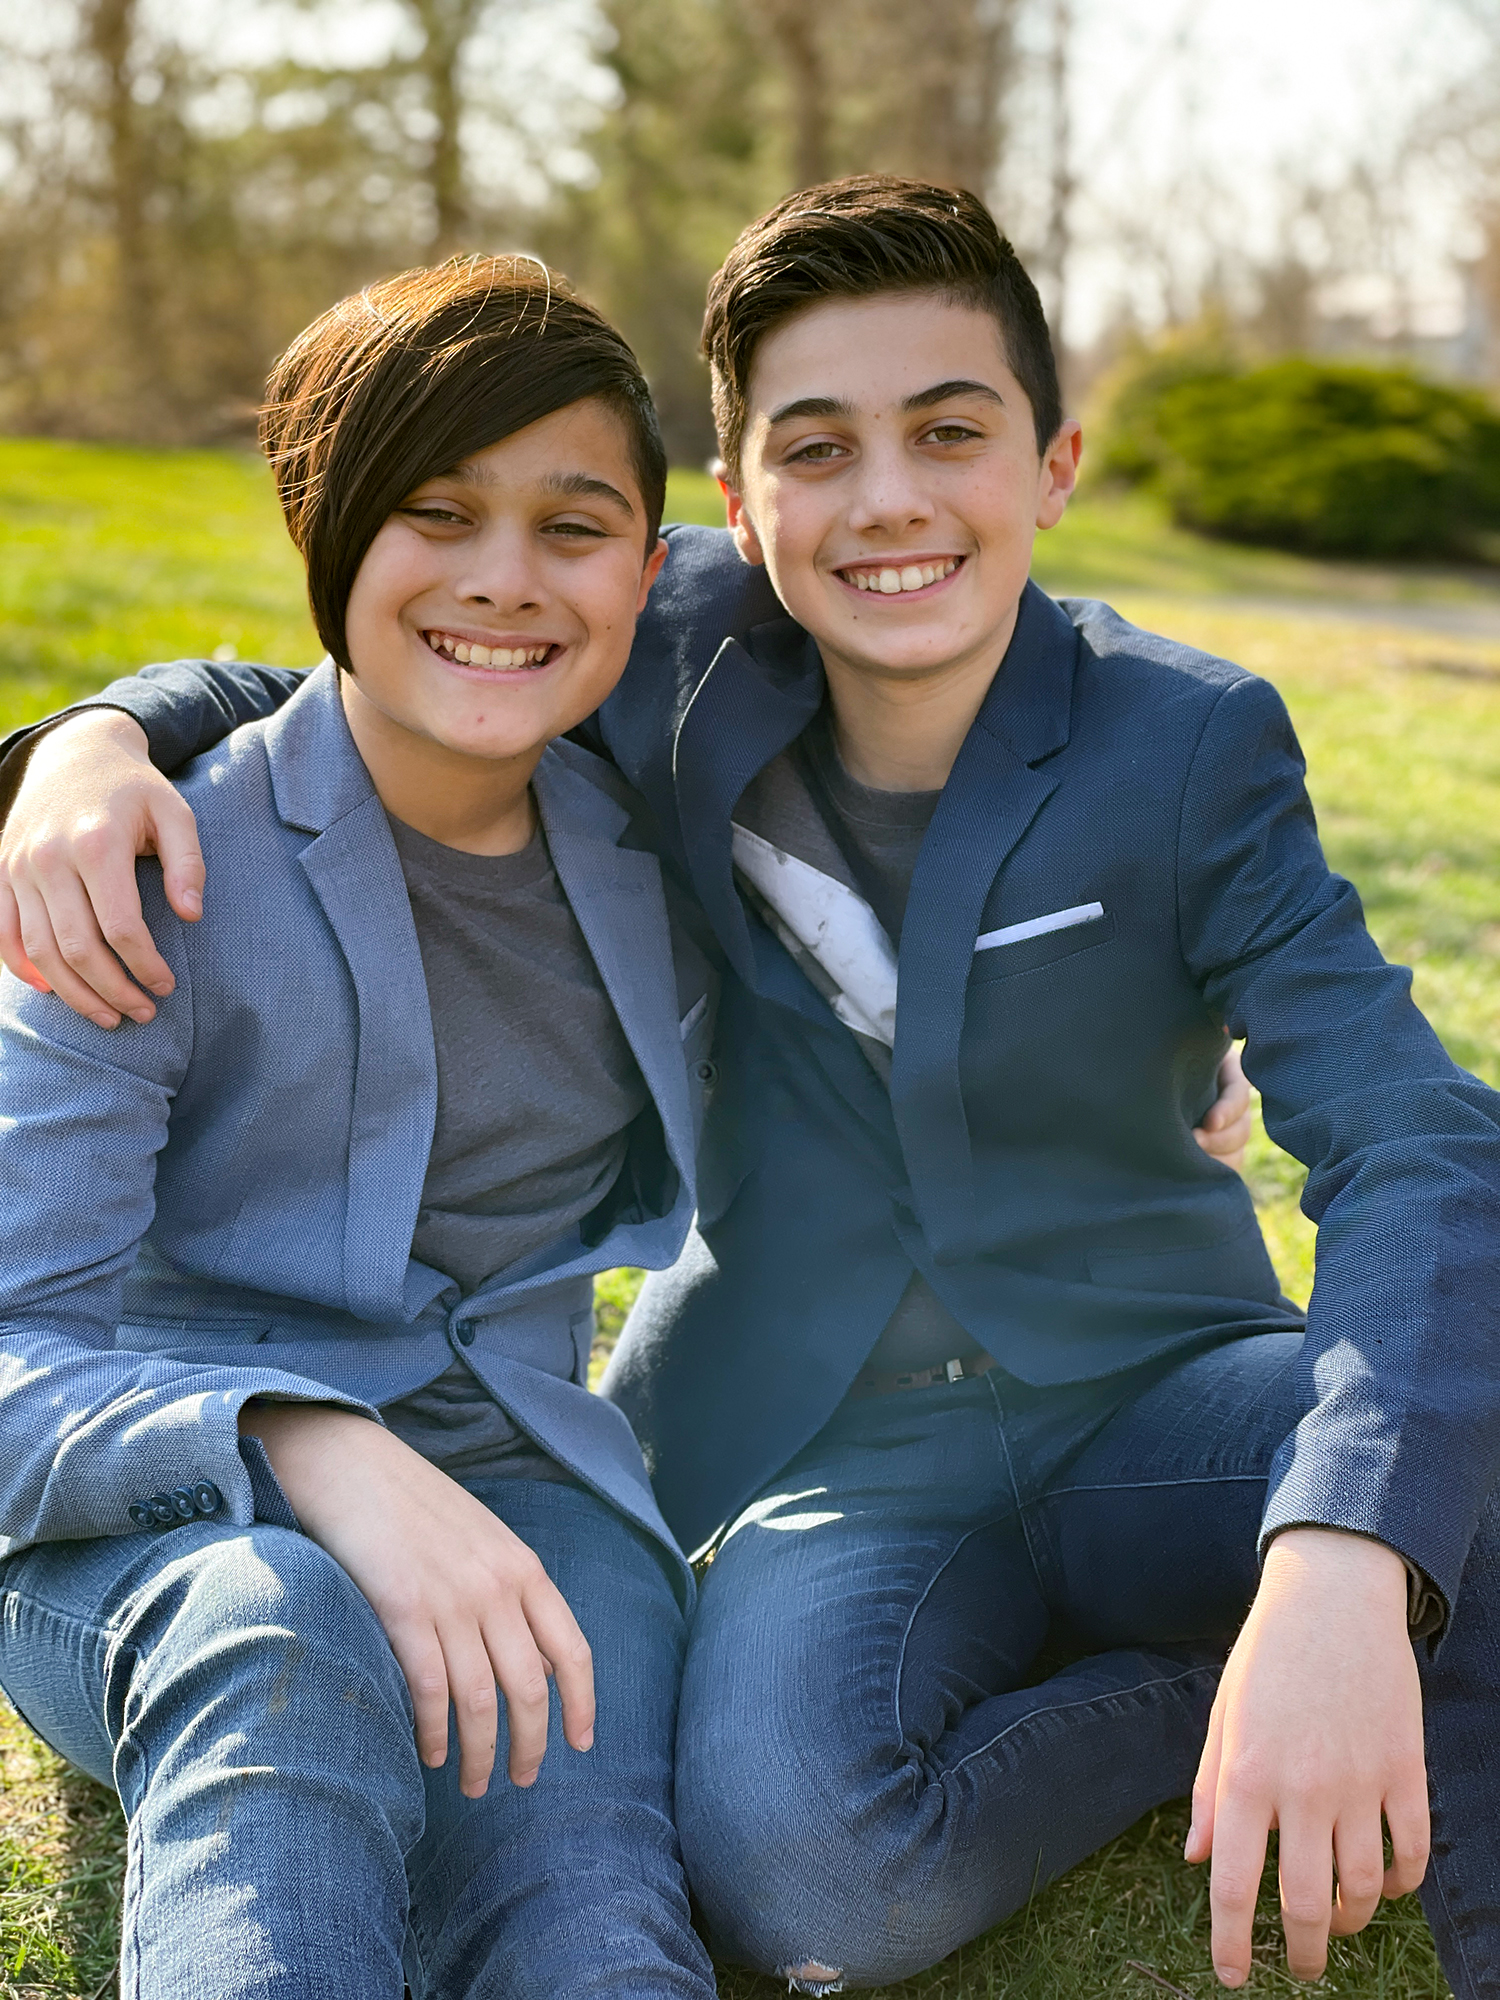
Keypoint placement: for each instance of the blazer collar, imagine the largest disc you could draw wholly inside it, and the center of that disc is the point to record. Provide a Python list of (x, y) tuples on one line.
[(321, 787), (1030, 701), (317, 775)]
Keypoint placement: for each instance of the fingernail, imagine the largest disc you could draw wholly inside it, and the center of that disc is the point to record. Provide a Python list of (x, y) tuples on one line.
[(1228, 1975), (142, 1015), (586, 1741), (191, 900), (36, 982), (162, 992), (105, 1020)]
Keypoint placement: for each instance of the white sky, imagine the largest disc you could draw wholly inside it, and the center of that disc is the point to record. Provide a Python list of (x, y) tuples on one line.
[(1221, 102)]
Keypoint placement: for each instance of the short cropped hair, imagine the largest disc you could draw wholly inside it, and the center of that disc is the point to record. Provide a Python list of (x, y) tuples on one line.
[(858, 238), (412, 376)]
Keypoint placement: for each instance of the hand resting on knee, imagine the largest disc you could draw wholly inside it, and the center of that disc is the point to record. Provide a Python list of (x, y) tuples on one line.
[(464, 1602)]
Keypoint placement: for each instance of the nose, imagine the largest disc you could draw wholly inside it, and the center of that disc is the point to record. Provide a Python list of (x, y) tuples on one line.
[(889, 496), (501, 571)]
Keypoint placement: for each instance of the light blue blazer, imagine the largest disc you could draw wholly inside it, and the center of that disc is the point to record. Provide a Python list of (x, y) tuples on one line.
[(221, 1204)]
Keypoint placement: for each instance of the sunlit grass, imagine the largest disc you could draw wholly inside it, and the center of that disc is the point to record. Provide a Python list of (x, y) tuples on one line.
[(112, 557)]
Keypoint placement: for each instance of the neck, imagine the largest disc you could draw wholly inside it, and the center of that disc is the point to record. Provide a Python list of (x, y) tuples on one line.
[(902, 732), (480, 805)]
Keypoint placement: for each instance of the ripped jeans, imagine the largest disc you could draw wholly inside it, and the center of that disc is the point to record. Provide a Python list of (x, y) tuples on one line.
[(237, 1691), (867, 1775)]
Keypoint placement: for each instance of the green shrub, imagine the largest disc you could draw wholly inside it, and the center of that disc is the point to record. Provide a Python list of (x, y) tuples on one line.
[(1330, 458)]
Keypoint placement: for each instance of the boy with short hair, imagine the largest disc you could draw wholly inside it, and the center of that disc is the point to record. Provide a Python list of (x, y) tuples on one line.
[(973, 1343)]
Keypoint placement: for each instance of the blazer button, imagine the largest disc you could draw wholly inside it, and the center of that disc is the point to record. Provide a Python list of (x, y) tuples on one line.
[(182, 1499), (707, 1073), (162, 1510), (463, 1333), (140, 1512), (207, 1498)]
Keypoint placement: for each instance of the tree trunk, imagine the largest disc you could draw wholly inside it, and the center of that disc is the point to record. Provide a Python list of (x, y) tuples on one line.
[(109, 31), (446, 27), (789, 24)]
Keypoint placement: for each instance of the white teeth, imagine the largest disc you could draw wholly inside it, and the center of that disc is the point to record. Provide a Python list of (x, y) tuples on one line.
[(503, 657), (894, 582)]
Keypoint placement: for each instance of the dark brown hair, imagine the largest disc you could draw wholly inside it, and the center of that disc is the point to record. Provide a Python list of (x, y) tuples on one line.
[(408, 378), (853, 239)]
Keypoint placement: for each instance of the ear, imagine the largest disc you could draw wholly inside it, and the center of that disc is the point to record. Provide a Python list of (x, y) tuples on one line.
[(740, 525), (650, 573), (1059, 474)]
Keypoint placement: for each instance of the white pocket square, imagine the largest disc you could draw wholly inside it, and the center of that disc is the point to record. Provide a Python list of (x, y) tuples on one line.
[(1060, 920)]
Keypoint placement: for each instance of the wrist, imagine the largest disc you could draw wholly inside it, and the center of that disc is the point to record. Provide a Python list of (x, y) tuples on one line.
[(1337, 1562)]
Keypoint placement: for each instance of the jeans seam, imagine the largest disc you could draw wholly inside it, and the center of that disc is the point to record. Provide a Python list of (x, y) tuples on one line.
[(1093, 1701), (1455, 1930), (1148, 1485), (911, 1618)]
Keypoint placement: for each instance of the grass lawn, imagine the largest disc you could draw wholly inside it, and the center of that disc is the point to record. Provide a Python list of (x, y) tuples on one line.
[(112, 557)]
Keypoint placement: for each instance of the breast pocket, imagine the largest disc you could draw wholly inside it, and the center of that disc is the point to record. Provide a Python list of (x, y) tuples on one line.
[(1028, 947)]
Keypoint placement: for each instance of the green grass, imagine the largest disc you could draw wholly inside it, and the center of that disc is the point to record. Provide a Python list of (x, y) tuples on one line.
[(113, 557)]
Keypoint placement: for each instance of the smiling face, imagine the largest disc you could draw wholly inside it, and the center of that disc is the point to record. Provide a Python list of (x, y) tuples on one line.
[(890, 481), (495, 608)]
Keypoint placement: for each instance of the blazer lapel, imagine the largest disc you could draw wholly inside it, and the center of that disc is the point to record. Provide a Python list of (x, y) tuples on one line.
[(989, 801), (616, 894), (753, 701), (322, 787)]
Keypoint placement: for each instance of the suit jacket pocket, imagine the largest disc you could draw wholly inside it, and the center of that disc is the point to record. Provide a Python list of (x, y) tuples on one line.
[(1235, 1266), (157, 1336), (1000, 961)]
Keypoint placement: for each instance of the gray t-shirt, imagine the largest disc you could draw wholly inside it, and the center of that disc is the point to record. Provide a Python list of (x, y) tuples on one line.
[(881, 835), (537, 1090)]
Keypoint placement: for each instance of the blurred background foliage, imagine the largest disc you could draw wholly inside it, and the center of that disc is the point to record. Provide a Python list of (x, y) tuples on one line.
[(185, 183), (1327, 457)]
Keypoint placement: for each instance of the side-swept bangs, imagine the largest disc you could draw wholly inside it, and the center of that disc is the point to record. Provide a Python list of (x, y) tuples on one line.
[(412, 376)]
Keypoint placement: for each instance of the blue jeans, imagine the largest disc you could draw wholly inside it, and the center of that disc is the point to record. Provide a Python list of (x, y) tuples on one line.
[(237, 1690), (871, 1769)]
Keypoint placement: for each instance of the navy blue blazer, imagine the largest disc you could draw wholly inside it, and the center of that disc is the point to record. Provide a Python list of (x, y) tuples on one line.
[(1034, 1157), (221, 1204)]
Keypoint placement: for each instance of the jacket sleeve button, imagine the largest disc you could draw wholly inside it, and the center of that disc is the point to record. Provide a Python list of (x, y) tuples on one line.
[(162, 1509), (207, 1498), (182, 1499), (141, 1514)]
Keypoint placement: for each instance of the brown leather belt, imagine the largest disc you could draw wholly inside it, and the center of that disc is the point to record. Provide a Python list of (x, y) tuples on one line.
[(870, 1382)]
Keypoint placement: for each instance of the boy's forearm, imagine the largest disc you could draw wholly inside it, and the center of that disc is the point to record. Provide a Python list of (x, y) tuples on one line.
[(184, 707), (1401, 1441)]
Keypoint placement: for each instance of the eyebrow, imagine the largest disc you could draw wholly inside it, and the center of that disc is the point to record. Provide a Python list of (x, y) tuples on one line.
[(923, 399), (558, 485)]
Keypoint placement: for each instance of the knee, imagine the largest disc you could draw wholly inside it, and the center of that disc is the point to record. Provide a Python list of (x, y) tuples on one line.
[(264, 1619), (786, 1881)]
